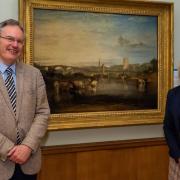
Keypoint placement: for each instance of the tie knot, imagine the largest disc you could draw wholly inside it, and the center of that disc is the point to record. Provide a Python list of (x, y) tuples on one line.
[(9, 70)]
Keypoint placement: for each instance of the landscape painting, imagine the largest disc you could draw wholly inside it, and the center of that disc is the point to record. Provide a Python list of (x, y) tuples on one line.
[(95, 62)]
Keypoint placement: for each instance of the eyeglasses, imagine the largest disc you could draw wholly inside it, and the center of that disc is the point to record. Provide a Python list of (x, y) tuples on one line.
[(12, 40)]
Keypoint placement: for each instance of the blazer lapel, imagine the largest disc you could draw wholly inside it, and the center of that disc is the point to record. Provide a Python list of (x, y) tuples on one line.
[(19, 87), (5, 94)]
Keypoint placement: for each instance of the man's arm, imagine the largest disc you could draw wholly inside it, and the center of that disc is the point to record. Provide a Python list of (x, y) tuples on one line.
[(169, 129), (40, 123)]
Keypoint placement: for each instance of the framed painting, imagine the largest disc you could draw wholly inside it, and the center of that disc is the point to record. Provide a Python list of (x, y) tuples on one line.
[(105, 63)]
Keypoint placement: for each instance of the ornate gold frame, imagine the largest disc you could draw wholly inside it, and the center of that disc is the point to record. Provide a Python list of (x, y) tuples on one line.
[(164, 12)]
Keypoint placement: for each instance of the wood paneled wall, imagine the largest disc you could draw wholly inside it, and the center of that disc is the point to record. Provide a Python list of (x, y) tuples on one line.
[(145, 159)]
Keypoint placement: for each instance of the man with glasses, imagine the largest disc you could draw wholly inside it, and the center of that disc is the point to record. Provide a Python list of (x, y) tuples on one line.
[(24, 109)]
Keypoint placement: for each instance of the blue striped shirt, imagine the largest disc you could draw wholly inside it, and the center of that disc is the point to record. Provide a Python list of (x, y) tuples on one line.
[(3, 72)]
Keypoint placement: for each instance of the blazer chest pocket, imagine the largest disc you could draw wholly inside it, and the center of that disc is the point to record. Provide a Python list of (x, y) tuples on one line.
[(29, 88), (29, 91)]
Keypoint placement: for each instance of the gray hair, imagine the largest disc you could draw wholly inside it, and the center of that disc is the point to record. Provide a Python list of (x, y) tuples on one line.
[(11, 22)]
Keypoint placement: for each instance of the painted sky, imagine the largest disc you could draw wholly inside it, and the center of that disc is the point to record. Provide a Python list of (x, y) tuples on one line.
[(82, 38)]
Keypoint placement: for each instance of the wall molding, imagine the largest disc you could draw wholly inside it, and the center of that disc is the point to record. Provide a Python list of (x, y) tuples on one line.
[(103, 145)]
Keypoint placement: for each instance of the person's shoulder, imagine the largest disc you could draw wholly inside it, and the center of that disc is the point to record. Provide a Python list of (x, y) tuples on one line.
[(174, 91), (28, 67)]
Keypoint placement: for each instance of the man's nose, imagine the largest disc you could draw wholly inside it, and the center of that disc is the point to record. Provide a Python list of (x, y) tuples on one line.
[(15, 43)]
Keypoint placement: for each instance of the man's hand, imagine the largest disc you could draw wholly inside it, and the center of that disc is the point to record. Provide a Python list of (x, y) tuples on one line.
[(19, 154)]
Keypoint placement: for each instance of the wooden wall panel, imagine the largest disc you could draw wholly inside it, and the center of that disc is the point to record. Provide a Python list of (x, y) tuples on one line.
[(145, 159)]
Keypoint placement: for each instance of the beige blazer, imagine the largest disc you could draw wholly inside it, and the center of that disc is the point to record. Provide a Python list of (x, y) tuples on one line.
[(32, 112)]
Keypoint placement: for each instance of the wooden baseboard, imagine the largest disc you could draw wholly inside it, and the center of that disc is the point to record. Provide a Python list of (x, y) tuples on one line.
[(141, 159)]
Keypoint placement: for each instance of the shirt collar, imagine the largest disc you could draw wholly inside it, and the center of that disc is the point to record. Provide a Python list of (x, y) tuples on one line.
[(3, 67)]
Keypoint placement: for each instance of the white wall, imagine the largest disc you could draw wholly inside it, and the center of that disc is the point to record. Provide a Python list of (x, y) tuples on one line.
[(9, 9)]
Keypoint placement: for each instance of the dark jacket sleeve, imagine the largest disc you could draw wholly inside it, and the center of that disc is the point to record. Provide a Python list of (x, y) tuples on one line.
[(169, 127)]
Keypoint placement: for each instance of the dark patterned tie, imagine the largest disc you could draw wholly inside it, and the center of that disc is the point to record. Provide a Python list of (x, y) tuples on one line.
[(10, 85)]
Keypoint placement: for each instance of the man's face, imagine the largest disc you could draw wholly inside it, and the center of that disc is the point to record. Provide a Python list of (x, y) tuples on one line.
[(11, 44)]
